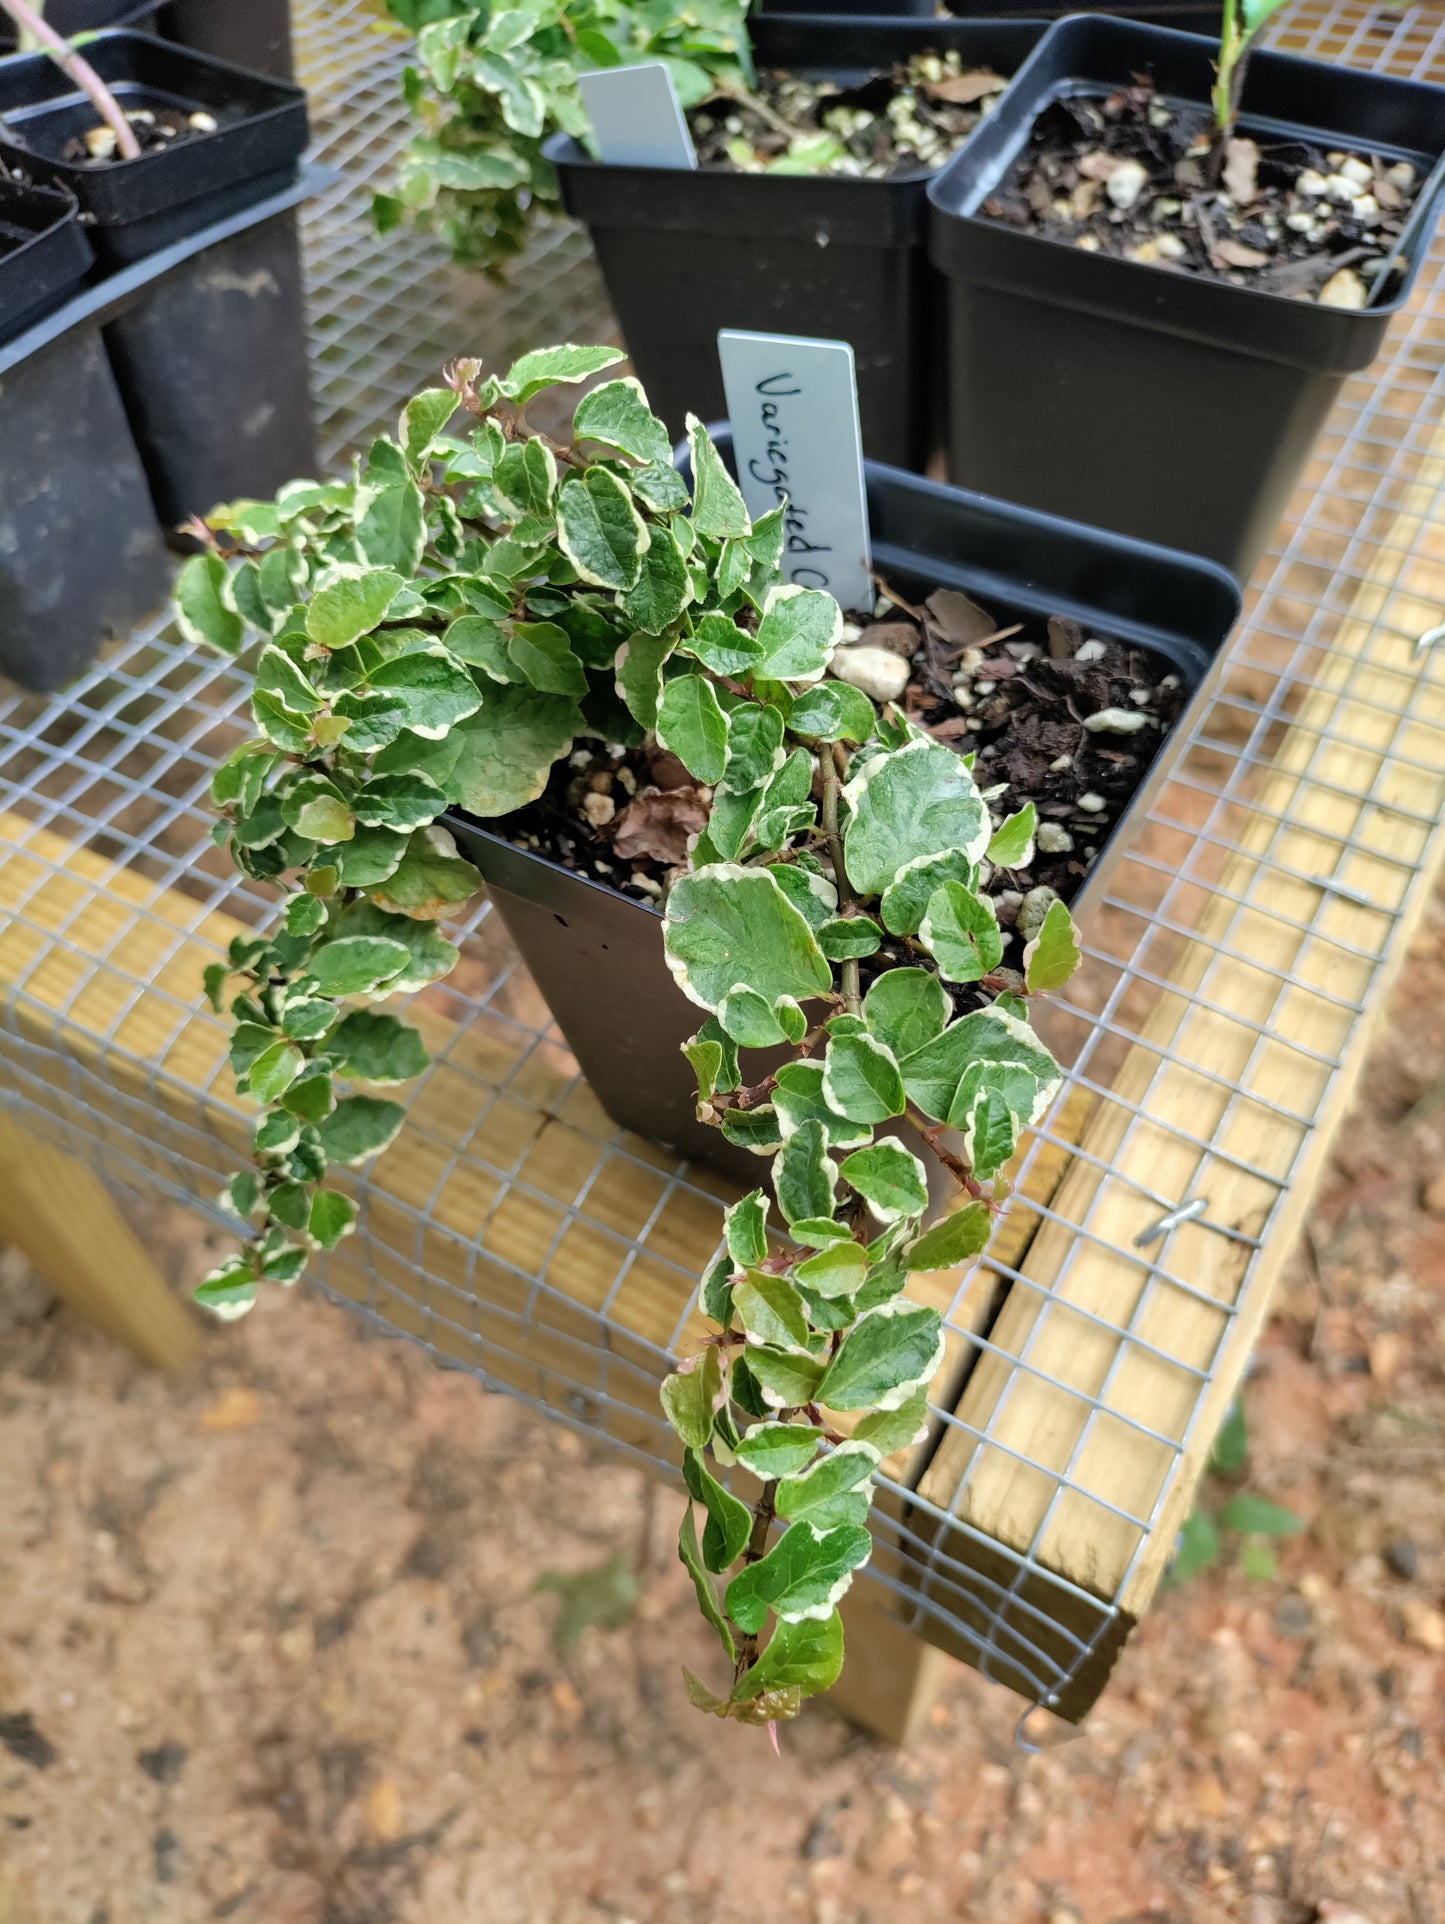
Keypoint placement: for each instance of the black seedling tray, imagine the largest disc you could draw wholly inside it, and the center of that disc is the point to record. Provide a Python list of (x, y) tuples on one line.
[(686, 253), (138, 206), (44, 255), (1165, 404), (597, 955), (1164, 13)]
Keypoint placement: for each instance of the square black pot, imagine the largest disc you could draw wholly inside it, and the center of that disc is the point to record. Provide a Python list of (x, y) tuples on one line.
[(1171, 407), (686, 253), (597, 955), (139, 206), (70, 17), (1165, 13), (44, 255)]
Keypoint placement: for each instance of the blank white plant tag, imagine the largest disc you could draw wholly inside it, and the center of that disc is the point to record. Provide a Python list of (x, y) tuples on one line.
[(793, 406), (637, 117)]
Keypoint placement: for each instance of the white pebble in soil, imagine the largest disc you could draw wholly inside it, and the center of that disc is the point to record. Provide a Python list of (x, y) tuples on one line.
[(1090, 651), (1116, 721), (599, 809), (1358, 171), (880, 673), (1092, 804), (1032, 910), (1063, 762), (1311, 184), (1054, 840), (1126, 184), (1344, 289)]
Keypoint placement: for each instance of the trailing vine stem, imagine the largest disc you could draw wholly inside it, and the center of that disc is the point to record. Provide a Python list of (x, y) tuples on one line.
[(437, 632)]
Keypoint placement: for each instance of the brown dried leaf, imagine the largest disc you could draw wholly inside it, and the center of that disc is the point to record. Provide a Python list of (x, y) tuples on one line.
[(999, 669), (1085, 198), (958, 619), (1385, 191), (1241, 170), (1100, 167), (658, 823), (1065, 637), (952, 729), (666, 771), (899, 637), (1233, 253), (964, 88)]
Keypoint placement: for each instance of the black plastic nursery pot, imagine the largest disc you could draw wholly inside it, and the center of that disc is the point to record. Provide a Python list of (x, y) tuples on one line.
[(138, 206), (70, 17), (252, 33), (80, 555), (597, 955), (686, 253), (1160, 403)]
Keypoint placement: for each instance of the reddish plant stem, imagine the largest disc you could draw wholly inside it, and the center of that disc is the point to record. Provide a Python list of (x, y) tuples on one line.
[(80, 71)]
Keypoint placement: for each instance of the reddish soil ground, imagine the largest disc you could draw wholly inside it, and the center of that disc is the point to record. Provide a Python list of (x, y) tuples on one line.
[(272, 1648)]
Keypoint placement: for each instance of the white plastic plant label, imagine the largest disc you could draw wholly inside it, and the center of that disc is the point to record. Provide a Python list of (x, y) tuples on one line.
[(636, 117), (793, 405)]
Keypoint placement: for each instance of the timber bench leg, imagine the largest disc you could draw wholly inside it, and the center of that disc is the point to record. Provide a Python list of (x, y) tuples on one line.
[(891, 1677), (62, 1217)]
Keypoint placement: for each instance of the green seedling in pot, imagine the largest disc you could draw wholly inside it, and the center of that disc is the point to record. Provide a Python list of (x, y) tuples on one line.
[(1242, 22), (437, 631)]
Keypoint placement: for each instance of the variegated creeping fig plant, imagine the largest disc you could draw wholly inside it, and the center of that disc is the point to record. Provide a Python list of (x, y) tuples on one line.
[(436, 632)]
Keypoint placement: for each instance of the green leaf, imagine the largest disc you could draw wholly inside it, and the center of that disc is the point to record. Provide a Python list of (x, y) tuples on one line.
[(214, 979), (917, 800), (770, 1310), (691, 723), (422, 420), (359, 1126), (659, 486), (377, 1048), (228, 1292), (726, 925), (429, 955), (663, 588), (277, 1134), (906, 1008), (715, 1292), (897, 1429), (1053, 955), (990, 1134), (1197, 1548), (1012, 845), (945, 1075), (746, 1228), (718, 508), (401, 802), (274, 1070), (617, 415), (547, 366), (799, 1097), (332, 1217), (279, 725), (803, 1175), (430, 878), (206, 605), (605, 1597), (691, 1397), (753, 1129), (806, 1656), (308, 1018), (798, 632), (955, 1239), (690, 1554), (639, 675), (721, 645), (800, 1576), (391, 529), (350, 603), (1255, 1516), (279, 677), (310, 1099), (772, 1450), (526, 477), (729, 1522), (788, 1381), (846, 937), (543, 653), (508, 748), (435, 692), (1231, 1447), (861, 1079), (356, 965), (889, 1178), (832, 711), (905, 901), (600, 531), (373, 719), (812, 1497), (819, 1232), (960, 930), (1258, 1561), (835, 1271), (370, 856), (755, 746), (882, 1357)]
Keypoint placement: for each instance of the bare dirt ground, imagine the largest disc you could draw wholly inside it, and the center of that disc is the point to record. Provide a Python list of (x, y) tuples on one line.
[(270, 1647)]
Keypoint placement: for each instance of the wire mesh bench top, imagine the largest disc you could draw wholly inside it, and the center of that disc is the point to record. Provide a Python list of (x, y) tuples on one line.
[(1233, 965)]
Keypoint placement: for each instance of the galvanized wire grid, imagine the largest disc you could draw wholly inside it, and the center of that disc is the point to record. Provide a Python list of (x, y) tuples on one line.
[(511, 1230)]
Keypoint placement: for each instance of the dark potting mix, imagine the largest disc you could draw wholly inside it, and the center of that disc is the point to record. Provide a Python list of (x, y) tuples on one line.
[(155, 129), (917, 115), (1139, 176), (1052, 715)]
